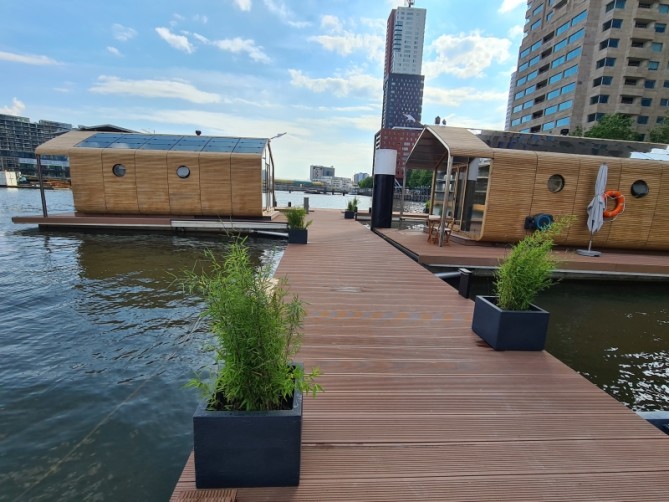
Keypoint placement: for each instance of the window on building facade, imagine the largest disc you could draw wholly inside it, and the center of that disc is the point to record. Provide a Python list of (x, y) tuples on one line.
[(524, 53), (666, 83), (595, 116), (573, 54), (565, 105), (604, 80), (660, 27), (642, 119), (562, 122), (627, 100), (548, 125), (568, 88), (602, 98), (560, 45), (631, 81), (615, 4), (656, 46), (664, 8), (538, 10), (653, 65), (562, 29), (576, 36), (637, 44), (557, 62), (646, 101), (649, 84), (553, 94), (664, 102), (613, 23), (573, 70), (640, 24), (579, 18), (550, 110), (634, 62), (608, 61), (536, 25), (609, 42)]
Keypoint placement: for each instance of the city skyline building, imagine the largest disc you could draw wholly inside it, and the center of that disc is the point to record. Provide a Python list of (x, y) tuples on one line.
[(403, 83), (18, 139), (580, 61)]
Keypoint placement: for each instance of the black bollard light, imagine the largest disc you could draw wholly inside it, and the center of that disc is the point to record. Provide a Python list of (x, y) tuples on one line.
[(385, 161)]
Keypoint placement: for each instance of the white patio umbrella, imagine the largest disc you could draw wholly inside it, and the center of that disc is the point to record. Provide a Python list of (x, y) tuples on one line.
[(596, 209)]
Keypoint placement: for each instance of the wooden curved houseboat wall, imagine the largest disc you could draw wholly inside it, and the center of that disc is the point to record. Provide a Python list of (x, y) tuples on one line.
[(116, 173), (489, 191)]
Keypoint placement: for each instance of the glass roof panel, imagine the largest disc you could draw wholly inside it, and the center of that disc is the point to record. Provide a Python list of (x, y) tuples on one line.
[(565, 144), (138, 141)]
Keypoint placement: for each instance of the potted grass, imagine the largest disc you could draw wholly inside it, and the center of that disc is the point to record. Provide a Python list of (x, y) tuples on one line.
[(509, 320), (247, 429), (351, 209), (297, 225)]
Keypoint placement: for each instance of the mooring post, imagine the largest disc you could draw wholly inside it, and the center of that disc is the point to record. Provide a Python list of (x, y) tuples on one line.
[(306, 204)]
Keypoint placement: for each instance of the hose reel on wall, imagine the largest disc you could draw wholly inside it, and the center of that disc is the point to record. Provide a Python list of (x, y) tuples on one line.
[(539, 221)]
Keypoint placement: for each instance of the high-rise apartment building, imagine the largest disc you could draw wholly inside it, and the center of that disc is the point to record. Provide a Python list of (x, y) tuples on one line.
[(402, 81), (583, 59), (18, 139)]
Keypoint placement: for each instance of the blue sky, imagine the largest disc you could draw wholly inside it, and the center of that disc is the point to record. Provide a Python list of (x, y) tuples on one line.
[(311, 68)]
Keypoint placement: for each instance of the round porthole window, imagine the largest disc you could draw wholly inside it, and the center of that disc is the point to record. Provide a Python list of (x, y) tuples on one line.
[(183, 172), (555, 183), (639, 189), (118, 170)]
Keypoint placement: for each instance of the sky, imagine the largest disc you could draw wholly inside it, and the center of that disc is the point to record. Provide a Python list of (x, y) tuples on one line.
[(253, 68)]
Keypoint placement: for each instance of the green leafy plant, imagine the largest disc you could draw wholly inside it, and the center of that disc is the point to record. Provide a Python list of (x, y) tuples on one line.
[(257, 332), (353, 205), (296, 217), (527, 269)]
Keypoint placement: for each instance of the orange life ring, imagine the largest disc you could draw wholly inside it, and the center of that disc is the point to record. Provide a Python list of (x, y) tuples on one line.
[(620, 203)]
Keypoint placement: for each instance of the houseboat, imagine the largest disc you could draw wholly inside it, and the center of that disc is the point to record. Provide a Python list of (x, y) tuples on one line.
[(494, 186)]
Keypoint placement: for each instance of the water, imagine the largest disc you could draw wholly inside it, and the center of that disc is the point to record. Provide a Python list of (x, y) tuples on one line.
[(339, 201), (97, 342)]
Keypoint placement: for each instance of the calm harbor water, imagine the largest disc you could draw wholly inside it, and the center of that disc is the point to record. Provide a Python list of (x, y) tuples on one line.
[(97, 342)]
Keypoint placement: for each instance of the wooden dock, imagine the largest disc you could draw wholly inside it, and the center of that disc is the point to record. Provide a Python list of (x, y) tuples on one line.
[(416, 407)]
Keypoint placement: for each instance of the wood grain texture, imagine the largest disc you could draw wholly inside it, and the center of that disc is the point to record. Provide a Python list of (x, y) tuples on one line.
[(120, 191), (417, 407), (88, 186)]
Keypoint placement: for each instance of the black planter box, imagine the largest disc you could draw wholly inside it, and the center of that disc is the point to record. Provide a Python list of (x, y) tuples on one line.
[(297, 235), (510, 329), (349, 215), (235, 449)]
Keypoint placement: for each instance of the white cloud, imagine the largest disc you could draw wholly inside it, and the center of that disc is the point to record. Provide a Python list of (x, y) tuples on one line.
[(123, 33), (16, 108), (346, 42), (174, 89), (509, 5), (179, 42), (114, 51), (516, 31), (466, 55), (237, 46), (200, 18), (461, 95), (340, 86), (27, 59), (244, 5), (278, 8)]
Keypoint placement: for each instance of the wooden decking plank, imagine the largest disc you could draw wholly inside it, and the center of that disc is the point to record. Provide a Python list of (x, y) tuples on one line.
[(417, 407)]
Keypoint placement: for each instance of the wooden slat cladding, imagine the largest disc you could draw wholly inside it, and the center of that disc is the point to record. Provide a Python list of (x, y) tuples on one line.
[(417, 407), (153, 194), (120, 191), (246, 179), (88, 186), (510, 192), (216, 185), (631, 229), (184, 192), (555, 203), (659, 230)]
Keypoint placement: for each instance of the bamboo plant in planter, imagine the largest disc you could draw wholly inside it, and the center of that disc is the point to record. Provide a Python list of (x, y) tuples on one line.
[(509, 320), (297, 225), (248, 428), (351, 209)]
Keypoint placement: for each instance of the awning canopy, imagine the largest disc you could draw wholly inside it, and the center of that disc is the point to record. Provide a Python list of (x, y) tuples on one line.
[(435, 141)]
